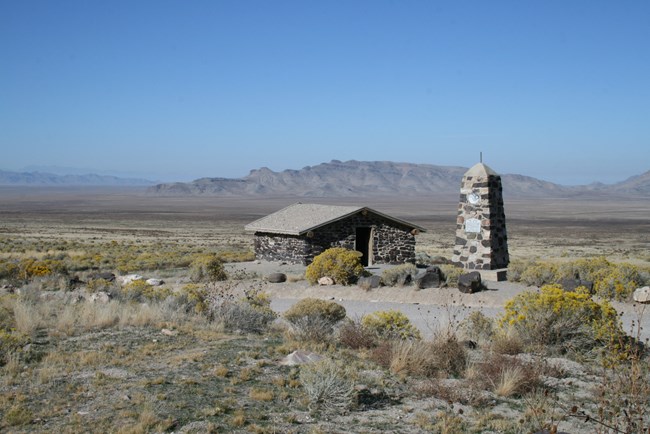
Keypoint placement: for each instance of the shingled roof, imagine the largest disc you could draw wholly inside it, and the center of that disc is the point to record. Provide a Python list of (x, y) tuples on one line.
[(300, 218)]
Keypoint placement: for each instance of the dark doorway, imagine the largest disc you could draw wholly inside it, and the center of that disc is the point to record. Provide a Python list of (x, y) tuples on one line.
[(363, 244)]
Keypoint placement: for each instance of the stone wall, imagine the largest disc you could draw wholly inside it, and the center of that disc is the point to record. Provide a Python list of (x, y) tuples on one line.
[(283, 248), (391, 241)]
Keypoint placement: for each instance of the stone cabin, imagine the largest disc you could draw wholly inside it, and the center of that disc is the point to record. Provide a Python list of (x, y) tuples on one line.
[(299, 232)]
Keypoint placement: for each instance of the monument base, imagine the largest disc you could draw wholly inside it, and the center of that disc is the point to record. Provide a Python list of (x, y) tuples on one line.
[(499, 275)]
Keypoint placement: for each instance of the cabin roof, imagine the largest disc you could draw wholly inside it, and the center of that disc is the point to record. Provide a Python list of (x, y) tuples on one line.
[(300, 218)]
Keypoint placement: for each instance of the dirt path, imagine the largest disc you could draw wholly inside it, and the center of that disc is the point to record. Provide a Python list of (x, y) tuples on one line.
[(426, 308)]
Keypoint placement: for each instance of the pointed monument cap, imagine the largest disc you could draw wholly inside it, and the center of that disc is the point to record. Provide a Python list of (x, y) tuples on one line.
[(480, 169)]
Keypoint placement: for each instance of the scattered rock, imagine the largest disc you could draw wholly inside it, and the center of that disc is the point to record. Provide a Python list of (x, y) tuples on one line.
[(469, 283), (300, 357), (369, 282), (109, 277), (125, 280), (404, 280), (642, 295), (75, 282), (326, 281), (155, 282), (432, 278), (570, 285), (100, 297), (8, 288), (276, 278), (75, 297), (168, 332)]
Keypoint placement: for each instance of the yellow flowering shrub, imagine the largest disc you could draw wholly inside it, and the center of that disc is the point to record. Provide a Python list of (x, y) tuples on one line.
[(614, 281), (390, 324), (195, 297), (342, 265), (139, 290), (558, 321)]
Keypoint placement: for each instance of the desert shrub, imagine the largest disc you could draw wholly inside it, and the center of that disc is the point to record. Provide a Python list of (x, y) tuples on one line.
[(311, 329), (615, 281), (250, 314), (313, 320), (207, 268), (451, 273), (193, 298), (11, 340), (240, 316), (507, 376), (448, 354), (9, 270), (328, 385), (96, 285), (539, 274), (516, 268), (140, 291), (18, 415), (392, 276), (390, 324), (444, 354), (329, 311), (355, 335), (237, 256), (506, 341), (477, 327), (342, 265), (558, 321)]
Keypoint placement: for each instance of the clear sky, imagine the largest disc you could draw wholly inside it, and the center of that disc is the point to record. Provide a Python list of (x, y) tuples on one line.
[(176, 90)]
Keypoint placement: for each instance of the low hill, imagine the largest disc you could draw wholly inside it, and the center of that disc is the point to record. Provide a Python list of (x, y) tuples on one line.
[(50, 179)]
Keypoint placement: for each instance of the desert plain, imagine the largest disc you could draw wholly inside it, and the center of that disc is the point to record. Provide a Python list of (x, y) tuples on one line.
[(128, 377)]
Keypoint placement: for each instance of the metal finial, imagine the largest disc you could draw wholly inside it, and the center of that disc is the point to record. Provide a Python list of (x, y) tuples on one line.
[(481, 156)]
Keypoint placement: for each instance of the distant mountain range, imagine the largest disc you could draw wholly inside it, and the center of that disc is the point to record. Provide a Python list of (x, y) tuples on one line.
[(50, 179), (382, 178)]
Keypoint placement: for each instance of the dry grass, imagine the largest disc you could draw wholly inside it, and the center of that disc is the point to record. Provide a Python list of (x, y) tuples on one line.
[(509, 381), (28, 317), (507, 376), (261, 395)]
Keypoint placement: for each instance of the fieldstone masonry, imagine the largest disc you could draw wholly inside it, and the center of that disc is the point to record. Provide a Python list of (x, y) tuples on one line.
[(391, 242), (481, 238)]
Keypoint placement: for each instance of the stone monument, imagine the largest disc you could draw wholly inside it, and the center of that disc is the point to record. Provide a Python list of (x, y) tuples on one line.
[(481, 238)]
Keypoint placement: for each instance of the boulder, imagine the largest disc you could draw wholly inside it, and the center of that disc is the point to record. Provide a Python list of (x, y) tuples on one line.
[(469, 283), (155, 282), (125, 280), (642, 295), (276, 278), (404, 280), (326, 281), (570, 285), (431, 278), (300, 357), (100, 297), (369, 282), (74, 282), (109, 277)]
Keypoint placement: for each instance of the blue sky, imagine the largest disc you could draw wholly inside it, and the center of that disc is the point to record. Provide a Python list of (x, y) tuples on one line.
[(176, 90)]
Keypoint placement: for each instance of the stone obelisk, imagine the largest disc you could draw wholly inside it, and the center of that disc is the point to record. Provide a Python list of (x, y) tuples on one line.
[(481, 237)]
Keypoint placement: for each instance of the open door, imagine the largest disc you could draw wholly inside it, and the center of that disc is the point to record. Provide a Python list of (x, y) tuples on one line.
[(363, 244)]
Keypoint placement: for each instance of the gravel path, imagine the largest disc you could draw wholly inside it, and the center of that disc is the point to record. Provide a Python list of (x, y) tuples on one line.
[(427, 308)]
